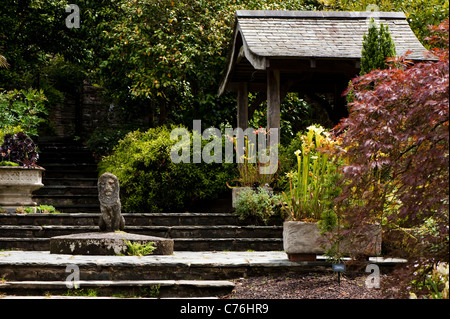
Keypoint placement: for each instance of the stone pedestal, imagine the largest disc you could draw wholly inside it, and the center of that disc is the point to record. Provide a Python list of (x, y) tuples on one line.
[(109, 243)]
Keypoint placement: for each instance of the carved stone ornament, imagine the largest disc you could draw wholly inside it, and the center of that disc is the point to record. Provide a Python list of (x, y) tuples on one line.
[(111, 218)]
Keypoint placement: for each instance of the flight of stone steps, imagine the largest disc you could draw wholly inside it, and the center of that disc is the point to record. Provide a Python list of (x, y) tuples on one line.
[(70, 177), (70, 185), (190, 231)]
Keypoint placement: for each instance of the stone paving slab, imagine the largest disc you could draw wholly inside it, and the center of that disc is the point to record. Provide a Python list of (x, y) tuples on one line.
[(178, 258)]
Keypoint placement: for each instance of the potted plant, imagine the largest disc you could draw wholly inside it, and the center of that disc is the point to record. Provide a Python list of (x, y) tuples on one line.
[(19, 173), (250, 170), (309, 200)]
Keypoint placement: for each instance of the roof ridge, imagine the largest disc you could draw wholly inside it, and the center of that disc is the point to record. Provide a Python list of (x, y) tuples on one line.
[(318, 14)]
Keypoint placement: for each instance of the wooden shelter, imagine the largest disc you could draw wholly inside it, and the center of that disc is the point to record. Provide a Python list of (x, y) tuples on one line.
[(314, 53)]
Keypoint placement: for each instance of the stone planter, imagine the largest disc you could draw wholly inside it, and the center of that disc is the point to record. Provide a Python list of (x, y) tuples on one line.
[(301, 241), (17, 185)]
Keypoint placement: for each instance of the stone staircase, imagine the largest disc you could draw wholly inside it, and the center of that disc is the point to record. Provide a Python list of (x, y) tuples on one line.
[(70, 183), (190, 231), (70, 177)]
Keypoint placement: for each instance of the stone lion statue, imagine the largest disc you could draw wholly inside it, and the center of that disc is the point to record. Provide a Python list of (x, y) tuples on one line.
[(111, 218)]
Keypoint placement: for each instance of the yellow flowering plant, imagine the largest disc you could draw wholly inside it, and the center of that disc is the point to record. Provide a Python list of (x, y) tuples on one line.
[(312, 186)]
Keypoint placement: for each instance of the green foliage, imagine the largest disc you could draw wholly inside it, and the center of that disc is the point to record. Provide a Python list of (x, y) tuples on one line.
[(377, 46), (312, 186), (25, 210), (138, 249), (169, 55), (22, 108), (432, 282), (250, 170), (8, 163), (103, 140), (46, 209), (41, 209), (82, 292), (142, 292), (151, 182), (419, 13), (31, 33), (296, 115), (287, 161), (258, 205)]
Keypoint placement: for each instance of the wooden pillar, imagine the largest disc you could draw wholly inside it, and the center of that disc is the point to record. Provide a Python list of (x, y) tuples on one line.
[(273, 102), (242, 106), (242, 120)]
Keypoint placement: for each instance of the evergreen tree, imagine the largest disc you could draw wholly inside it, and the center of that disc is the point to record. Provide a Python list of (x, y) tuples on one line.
[(377, 46)]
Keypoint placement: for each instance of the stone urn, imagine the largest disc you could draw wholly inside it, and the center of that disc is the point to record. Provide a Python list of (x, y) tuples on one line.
[(17, 185), (301, 241)]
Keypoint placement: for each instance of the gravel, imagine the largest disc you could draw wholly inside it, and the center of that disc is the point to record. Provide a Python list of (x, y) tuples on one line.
[(307, 286)]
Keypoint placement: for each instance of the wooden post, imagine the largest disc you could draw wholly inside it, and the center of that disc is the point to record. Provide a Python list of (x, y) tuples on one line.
[(273, 102), (242, 106), (242, 119)]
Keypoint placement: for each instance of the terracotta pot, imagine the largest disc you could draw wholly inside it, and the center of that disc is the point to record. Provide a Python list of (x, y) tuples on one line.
[(17, 185)]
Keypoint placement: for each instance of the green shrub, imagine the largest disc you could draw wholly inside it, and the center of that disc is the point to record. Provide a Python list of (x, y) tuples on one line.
[(258, 205), (24, 108), (103, 140), (151, 182)]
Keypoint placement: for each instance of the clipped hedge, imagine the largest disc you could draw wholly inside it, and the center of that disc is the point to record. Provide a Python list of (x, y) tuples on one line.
[(151, 182)]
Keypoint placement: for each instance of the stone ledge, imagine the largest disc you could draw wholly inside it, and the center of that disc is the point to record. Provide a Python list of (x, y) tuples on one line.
[(109, 243), (166, 288)]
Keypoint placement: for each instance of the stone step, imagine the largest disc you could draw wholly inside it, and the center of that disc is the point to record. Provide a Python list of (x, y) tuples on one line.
[(181, 265), (191, 231), (69, 173), (76, 208), (223, 231), (77, 182), (81, 166), (50, 190), (46, 147), (67, 199), (180, 244), (144, 219), (122, 288), (67, 155)]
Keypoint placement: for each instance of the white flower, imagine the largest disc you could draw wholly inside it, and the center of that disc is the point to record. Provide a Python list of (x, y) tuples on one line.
[(412, 295), (297, 152), (443, 269)]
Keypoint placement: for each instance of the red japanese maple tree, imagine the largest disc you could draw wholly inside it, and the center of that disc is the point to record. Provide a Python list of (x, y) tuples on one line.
[(396, 146)]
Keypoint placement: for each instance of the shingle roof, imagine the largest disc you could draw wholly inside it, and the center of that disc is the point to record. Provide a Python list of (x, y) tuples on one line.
[(320, 34), (263, 35)]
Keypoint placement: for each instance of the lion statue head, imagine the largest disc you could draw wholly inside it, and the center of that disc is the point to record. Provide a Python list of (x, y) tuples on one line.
[(108, 189)]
